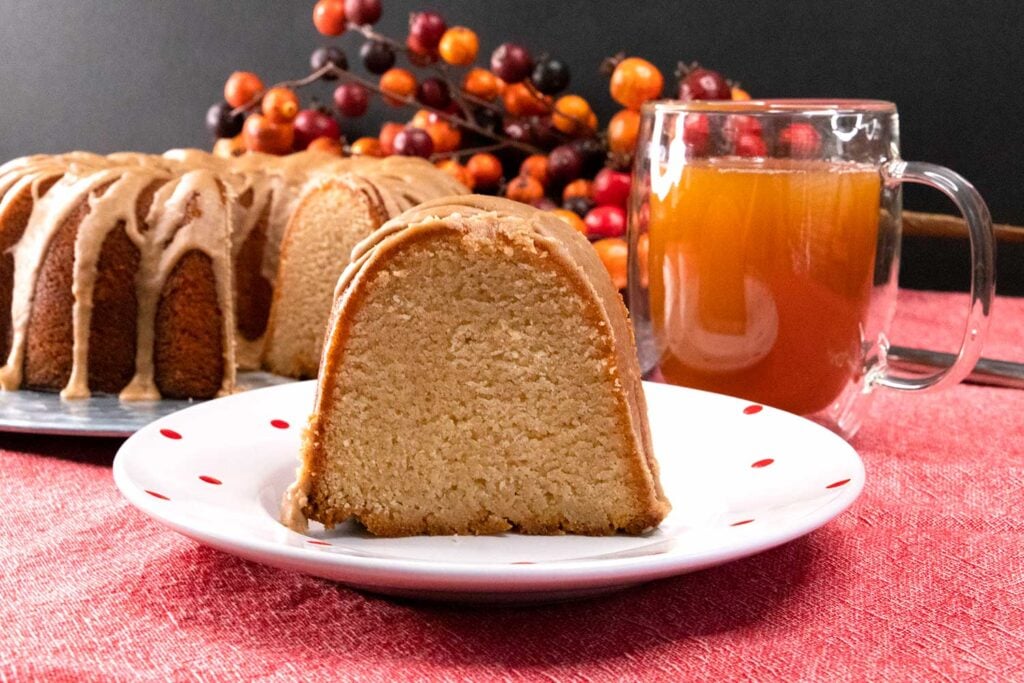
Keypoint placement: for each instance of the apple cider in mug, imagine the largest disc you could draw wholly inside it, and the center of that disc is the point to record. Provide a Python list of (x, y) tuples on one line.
[(764, 250), (757, 267)]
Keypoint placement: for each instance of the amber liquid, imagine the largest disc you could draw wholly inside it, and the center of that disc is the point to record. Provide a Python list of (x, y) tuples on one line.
[(760, 277)]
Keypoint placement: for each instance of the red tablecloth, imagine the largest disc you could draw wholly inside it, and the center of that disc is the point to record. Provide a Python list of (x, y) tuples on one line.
[(922, 579)]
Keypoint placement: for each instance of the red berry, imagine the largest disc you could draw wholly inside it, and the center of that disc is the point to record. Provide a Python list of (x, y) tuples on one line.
[(606, 221), (696, 133), (312, 124), (751, 145), (738, 124), (611, 188), (426, 30), (433, 92), (362, 12), (351, 99), (704, 84), (799, 140), (511, 63), (413, 142)]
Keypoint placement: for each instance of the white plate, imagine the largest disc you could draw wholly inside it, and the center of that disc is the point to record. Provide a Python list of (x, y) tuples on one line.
[(741, 478), (42, 412)]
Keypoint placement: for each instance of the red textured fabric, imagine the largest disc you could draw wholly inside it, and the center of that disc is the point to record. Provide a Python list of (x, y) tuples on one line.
[(923, 579)]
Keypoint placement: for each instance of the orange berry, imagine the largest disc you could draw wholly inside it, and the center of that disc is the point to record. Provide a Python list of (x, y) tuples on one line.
[(457, 171), (578, 188), (535, 166), (622, 131), (241, 87), (572, 218), (367, 147), (280, 105), (445, 136), (524, 189), (485, 169), (519, 100), (264, 135), (422, 118), (387, 136), (329, 17), (229, 147), (573, 115), (327, 145), (614, 253), (459, 46), (481, 83), (635, 81), (397, 83), (739, 93)]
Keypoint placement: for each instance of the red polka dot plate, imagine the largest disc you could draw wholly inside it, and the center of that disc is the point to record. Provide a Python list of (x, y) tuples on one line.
[(741, 479)]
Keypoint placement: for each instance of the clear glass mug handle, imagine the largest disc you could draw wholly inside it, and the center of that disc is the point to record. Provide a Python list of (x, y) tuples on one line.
[(983, 275)]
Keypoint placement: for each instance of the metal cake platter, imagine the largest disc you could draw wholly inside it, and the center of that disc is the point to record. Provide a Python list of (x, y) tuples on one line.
[(38, 412)]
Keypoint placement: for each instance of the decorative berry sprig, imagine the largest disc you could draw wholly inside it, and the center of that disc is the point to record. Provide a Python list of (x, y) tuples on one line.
[(510, 128)]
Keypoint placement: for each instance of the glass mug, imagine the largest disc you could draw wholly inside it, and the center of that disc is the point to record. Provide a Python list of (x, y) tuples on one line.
[(764, 246)]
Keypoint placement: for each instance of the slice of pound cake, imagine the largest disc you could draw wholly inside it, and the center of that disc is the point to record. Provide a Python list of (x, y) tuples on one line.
[(479, 375)]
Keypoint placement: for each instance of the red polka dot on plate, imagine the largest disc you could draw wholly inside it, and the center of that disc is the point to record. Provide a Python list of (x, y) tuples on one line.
[(157, 495), (210, 480), (837, 484), (741, 522), (763, 463), (524, 562), (752, 409), (280, 424), (316, 542), (170, 434)]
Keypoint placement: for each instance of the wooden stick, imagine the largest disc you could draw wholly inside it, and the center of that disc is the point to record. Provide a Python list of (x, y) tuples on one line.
[(919, 224)]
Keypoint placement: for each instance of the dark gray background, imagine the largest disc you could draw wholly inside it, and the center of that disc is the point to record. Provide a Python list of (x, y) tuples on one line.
[(107, 75)]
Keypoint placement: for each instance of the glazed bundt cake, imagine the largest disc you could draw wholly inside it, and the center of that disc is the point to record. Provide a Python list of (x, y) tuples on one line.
[(336, 213), (120, 273), (479, 376), (115, 278)]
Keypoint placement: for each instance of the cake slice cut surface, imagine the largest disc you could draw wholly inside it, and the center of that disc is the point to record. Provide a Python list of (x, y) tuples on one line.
[(479, 376)]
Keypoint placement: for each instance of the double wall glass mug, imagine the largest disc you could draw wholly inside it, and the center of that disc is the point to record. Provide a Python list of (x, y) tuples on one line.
[(764, 248)]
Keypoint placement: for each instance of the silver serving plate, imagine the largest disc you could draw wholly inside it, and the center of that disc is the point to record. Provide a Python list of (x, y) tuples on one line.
[(39, 412)]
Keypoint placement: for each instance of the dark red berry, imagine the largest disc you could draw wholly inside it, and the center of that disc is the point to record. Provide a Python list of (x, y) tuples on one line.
[(511, 63), (413, 142), (222, 123), (351, 99), (311, 124), (565, 164), (593, 155), (519, 130), (550, 76), (799, 140), (433, 92), (362, 12), (750, 145), (580, 206), (704, 84), (426, 29), (377, 56), (323, 56)]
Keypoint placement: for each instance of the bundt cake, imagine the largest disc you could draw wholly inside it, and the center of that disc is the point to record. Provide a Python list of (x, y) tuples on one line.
[(114, 269), (115, 278), (335, 213), (479, 376)]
